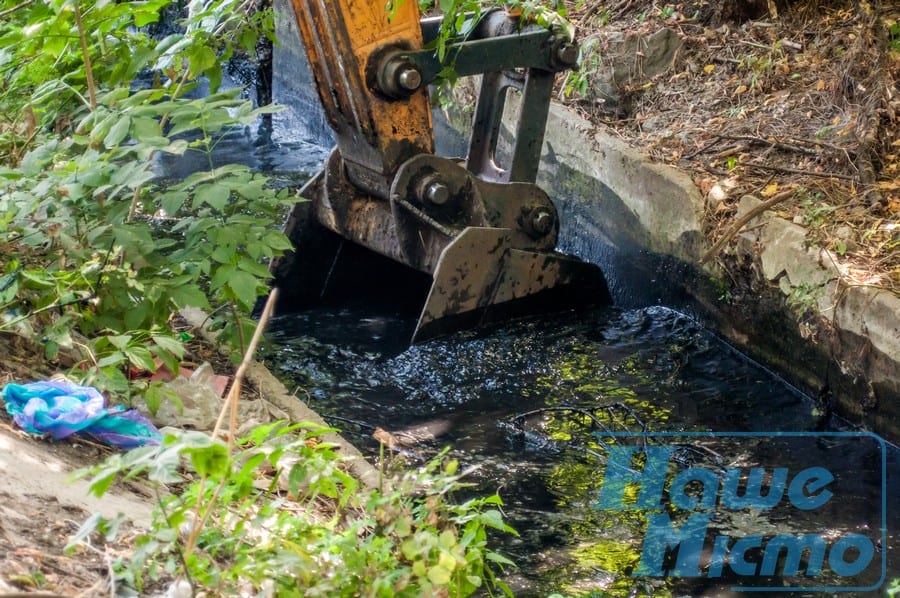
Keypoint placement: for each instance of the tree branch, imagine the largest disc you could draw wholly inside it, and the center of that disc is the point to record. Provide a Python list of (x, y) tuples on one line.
[(88, 71), (9, 11), (827, 175), (742, 221)]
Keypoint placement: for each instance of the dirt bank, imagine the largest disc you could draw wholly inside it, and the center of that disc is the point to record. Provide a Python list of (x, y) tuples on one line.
[(796, 100)]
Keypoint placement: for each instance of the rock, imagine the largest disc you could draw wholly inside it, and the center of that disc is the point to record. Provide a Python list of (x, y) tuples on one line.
[(627, 60), (751, 229), (179, 589), (802, 273), (871, 312)]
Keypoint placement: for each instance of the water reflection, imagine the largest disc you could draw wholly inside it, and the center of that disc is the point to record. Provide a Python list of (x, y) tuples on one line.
[(274, 152)]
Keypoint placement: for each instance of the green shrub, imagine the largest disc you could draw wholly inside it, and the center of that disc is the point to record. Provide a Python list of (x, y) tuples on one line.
[(308, 528), (100, 254)]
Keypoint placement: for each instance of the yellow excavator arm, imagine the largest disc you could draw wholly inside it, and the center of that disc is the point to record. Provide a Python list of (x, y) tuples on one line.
[(481, 228), (345, 41)]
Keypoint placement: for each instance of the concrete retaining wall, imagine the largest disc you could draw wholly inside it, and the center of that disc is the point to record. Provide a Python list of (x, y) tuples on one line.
[(772, 296)]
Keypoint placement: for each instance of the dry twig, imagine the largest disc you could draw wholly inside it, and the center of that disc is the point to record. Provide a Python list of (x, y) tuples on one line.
[(827, 175), (735, 228), (230, 407)]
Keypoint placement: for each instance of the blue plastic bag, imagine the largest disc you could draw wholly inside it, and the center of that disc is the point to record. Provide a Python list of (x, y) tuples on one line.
[(60, 408)]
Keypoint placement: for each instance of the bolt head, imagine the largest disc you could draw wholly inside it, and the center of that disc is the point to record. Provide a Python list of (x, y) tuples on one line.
[(542, 222), (437, 193), (409, 78)]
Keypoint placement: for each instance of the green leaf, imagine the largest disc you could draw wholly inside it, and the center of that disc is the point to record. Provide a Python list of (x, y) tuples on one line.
[(411, 549), (243, 285), (494, 518), (177, 147), (138, 315), (111, 359), (201, 58), (143, 128), (153, 398), (439, 576), (498, 558), (447, 539), (118, 132), (172, 201), (170, 344), (221, 277), (9, 287), (141, 357), (297, 477), (114, 379), (102, 481), (39, 278), (165, 468), (169, 360), (119, 341), (213, 195), (212, 460), (86, 530), (277, 241), (254, 268), (190, 296), (214, 76), (223, 254), (143, 16)]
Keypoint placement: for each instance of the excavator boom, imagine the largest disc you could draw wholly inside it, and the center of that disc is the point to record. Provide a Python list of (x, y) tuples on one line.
[(482, 230)]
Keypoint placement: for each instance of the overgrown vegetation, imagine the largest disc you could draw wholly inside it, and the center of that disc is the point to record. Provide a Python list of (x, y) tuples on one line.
[(99, 254), (281, 517)]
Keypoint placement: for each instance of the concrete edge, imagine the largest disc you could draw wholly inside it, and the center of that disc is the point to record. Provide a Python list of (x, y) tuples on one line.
[(276, 394), (847, 336), (866, 311), (664, 199)]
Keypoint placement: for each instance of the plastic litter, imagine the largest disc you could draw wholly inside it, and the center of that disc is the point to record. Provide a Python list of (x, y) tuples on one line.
[(61, 408)]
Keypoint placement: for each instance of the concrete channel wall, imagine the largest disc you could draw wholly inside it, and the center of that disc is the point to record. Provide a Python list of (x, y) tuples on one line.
[(770, 294)]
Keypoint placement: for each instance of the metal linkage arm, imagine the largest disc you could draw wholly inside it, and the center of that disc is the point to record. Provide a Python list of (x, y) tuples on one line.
[(511, 56), (484, 232)]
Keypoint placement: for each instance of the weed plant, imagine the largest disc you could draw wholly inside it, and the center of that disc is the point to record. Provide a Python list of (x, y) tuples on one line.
[(282, 518), (97, 255)]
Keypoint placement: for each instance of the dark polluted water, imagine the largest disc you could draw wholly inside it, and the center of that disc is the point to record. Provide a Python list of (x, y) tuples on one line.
[(538, 407), (535, 404)]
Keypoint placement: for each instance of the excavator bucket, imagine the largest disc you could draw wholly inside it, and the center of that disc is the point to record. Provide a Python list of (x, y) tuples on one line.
[(481, 234), (480, 279)]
